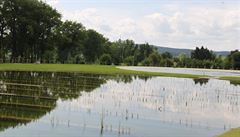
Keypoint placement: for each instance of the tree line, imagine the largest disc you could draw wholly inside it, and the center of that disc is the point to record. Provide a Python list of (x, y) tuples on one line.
[(32, 31)]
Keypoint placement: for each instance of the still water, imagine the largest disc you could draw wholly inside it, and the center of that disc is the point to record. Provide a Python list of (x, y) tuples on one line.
[(194, 71), (38, 104)]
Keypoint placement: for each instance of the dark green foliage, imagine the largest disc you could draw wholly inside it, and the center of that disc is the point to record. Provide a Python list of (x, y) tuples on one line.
[(129, 61), (70, 38), (106, 59), (233, 60), (145, 62), (236, 60), (93, 46), (203, 54), (27, 30), (32, 31), (154, 59)]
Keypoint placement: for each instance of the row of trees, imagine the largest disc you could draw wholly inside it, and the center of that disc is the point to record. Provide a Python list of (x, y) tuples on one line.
[(204, 58), (32, 31)]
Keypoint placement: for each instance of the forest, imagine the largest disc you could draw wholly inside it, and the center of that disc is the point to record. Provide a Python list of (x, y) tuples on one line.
[(31, 31)]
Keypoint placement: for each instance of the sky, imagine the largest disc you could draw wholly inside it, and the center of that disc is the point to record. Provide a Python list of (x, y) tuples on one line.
[(214, 24)]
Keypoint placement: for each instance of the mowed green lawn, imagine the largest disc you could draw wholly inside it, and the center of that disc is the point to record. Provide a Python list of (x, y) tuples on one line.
[(94, 69), (232, 133), (97, 69), (235, 80)]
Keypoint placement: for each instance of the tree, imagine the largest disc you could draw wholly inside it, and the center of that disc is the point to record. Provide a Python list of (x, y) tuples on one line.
[(144, 51), (71, 36), (146, 62), (202, 54), (236, 60), (106, 59), (183, 60), (3, 33), (122, 49), (154, 59), (93, 46), (129, 61), (167, 55), (31, 30), (27, 28)]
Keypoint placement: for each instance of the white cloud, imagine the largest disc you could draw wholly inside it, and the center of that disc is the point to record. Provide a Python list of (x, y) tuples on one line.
[(52, 2), (216, 28)]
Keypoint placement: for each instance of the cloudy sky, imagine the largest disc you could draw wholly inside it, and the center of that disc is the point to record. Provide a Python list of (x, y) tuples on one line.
[(171, 23)]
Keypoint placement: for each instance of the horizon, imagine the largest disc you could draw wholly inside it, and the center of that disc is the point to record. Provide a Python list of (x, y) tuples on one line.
[(184, 25)]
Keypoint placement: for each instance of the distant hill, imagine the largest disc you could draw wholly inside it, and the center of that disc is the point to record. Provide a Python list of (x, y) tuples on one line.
[(176, 51)]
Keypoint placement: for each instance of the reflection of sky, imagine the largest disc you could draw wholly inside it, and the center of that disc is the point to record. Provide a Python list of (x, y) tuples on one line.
[(209, 72), (144, 108), (214, 105)]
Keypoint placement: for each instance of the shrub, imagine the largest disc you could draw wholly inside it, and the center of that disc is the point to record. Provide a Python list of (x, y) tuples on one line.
[(106, 59)]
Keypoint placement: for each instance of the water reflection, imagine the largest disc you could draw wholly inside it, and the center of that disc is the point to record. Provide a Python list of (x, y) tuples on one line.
[(201, 81), (178, 102), (62, 103), (235, 83), (27, 96)]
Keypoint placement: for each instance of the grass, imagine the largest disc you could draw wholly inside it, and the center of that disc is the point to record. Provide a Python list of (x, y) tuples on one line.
[(232, 133), (99, 69), (93, 69), (234, 80)]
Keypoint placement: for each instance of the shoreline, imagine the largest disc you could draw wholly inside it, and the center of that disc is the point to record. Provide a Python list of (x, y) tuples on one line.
[(103, 69), (198, 69)]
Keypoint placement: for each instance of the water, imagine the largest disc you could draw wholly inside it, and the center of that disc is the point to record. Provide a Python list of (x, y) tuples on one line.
[(71, 104), (209, 72)]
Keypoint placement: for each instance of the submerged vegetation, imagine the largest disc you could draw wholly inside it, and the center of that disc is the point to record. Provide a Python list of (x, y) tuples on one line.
[(231, 133), (233, 80), (27, 96), (32, 96)]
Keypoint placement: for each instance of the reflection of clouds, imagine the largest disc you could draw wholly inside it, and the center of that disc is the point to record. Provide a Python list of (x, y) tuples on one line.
[(168, 98)]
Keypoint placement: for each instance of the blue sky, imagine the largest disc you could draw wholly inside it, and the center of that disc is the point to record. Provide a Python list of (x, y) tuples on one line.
[(172, 23)]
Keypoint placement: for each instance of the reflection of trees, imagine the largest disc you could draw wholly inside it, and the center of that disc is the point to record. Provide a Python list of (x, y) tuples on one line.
[(128, 79), (235, 82), (26, 96), (201, 81)]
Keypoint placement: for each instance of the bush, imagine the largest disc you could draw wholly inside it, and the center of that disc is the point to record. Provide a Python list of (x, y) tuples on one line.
[(146, 62), (106, 59), (129, 61)]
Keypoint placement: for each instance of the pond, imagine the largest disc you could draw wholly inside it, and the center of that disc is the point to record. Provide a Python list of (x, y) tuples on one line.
[(194, 71), (44, 104)]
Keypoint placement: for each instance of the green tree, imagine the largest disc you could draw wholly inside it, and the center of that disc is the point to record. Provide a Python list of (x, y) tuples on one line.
[(154, 59), (29, 27), (93, 46), (106, 59), (202, 54), (236, 60), (3, 33), (71, 36), (129, 61), (183, 60)]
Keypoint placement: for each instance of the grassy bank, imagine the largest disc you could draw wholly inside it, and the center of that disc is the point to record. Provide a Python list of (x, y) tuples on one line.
[(232, 133), (234, 80), (94, 69), (98, 69)]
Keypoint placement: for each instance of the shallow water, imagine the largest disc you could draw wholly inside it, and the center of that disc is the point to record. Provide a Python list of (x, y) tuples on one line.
[(209, 72), (71, 104)]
